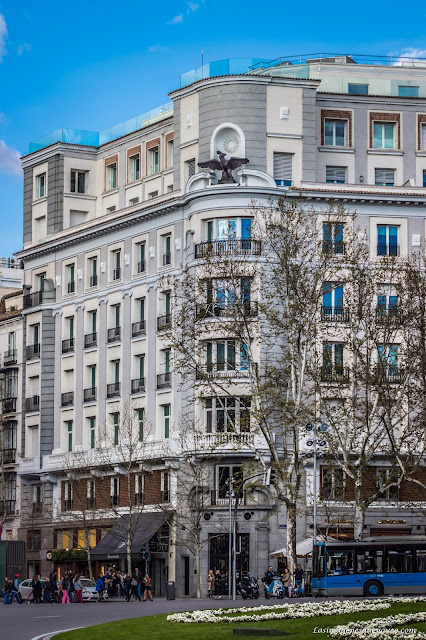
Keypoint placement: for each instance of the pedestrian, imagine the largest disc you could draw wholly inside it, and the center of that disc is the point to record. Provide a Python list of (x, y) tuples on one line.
[(210, 583), (71, 589), (217, 581), (127, 586), (37, 589), (100, 587), (78, 588), (7, 591), (298, 579), (14, 590), (148, 587), (134, 589), (64, 587), (138, 577), (46, 593), (286, 580)]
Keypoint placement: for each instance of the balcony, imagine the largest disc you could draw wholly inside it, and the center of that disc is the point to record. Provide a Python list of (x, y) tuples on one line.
[(113, 390), (89, 395), (167, 259), (32, 404), (334, 314), (237, 247), (385, 316), (164, 322), (164, 380), (93, 281), (67, 399), (141, 266), (231, 439), (9, 405), (71, 287), (114, 334), (68, 345), (7, 507), (388, 250), (32, 351), (116, 274), (333, 247), (138, 385), (32, 299), (385, 373), (247, 309), (90, 340), (223, 370), (10, 357), (219, 498), (138, 328), (8, 456), (335, 374)]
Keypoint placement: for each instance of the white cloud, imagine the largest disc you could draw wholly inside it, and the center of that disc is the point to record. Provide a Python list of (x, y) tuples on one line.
[(158, 48), (23, 48), (9, 160), (3, 36), (193, 6), (414, 54), (176, 19)]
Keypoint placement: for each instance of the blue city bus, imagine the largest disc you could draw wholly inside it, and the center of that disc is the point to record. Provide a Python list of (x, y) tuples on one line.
[(373, 567)]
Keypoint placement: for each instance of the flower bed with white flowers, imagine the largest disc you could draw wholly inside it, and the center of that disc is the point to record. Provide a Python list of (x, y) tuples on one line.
[(376, 629)]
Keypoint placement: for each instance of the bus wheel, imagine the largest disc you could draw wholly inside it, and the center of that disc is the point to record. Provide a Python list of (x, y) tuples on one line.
[(373, 588)]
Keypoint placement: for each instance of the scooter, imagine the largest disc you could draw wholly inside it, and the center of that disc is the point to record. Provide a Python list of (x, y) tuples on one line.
[(274, 589), (247, 586)]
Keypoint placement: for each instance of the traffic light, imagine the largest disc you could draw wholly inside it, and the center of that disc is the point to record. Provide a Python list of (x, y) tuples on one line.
[(270, 477)]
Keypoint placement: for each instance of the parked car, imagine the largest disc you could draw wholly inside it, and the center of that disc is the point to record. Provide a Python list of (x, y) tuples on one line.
[(89, 590), (25, 588)]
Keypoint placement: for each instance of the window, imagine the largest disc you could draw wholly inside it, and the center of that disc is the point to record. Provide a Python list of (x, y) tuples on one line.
[(140, 416), (111, 209), (141, 247), (116, 427), (153, 160), (116, 265), (93, 272), (332, 367), (358, 89), (167, 249), (169, 188), (92, 432), (423, 136), (69, 435), (91, 504), (141, 367), (332, 238), (166, 420), (424, 178), (71, 278), (33, 541), (133, 201), (408, 92), (227, 414), (384, 478), (165, 486), (283, 169), (387, 240), (387, 303), (399, 560), (111, 176), (79, 181), (332, 483), (335, 133), (332, 301), (384, 177), (224, 475), (336, 175), (40, 228), (115, 492), (41, 277), (387, 359), (384, 135), (169, 154), (153, 194), (134, 167), (190, 168), (41, 185), (139, 488)]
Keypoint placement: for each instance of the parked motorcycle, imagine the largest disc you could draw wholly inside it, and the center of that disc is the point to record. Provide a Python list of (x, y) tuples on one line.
[(247, 587), (274, 589)]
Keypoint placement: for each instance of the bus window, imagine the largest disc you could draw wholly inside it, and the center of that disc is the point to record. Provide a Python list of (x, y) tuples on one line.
[(318, 562), (369, 561), (339, 562), (421, 559), (399, 561)]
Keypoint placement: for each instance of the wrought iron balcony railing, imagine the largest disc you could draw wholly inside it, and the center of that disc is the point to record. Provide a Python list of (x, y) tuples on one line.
[(113, 390), (67, 399), (237, 247), (8, 456), (32, 404), (141, 266), (215, 310), (390, 250), (138, 385), (89, 395), (68, 345), (224, 370), (94, 281), (114, 334), (32, 299), (164, 322), (334, 247), (10, 357), (335, 374), (138, 328), (71, 286), (9, 405), (164, 380), (32, 351), (334, 314), (90, 340)]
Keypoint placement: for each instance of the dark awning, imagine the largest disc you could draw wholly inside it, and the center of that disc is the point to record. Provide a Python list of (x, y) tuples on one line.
[(113, 544)]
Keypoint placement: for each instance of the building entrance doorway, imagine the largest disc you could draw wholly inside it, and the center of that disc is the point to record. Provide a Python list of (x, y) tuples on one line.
[(219, 556)]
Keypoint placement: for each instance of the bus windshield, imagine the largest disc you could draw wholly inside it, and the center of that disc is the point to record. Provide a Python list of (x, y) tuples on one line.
[(318, 565)]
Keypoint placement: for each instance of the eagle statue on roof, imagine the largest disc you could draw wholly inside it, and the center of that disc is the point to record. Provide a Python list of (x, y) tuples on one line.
[(226, 166)]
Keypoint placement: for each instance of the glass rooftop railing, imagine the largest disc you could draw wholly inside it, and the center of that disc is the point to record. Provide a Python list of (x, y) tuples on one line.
[(339, 58), (96, 138), (226, 67)]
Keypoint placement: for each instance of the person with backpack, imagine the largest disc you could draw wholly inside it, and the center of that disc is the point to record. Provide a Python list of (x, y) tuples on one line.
[(64, 586)]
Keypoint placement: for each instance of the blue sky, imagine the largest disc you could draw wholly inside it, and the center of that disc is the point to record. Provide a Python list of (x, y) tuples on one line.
[(94, 65)]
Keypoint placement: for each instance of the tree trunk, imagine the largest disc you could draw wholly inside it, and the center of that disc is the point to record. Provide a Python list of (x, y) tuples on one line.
[(359, 511), (129, 551), (291, 537), (197, 568), (89, 563)]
